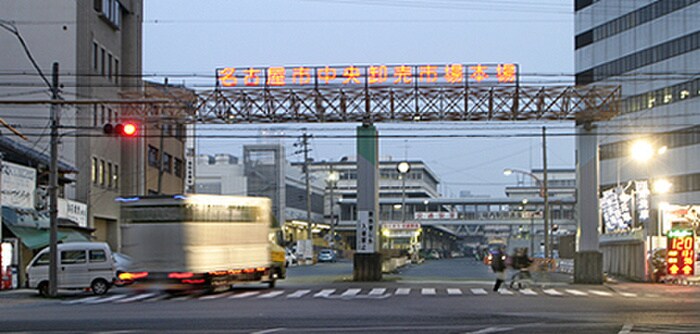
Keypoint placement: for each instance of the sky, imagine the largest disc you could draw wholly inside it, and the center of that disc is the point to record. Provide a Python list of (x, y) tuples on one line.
[(187, 40)]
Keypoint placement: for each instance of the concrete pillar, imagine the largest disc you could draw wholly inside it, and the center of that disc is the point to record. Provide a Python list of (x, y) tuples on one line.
[(367, 262), (588, 261)]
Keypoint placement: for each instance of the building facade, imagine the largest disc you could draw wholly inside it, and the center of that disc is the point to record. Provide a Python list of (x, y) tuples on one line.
[(651, 49), (98, 47)]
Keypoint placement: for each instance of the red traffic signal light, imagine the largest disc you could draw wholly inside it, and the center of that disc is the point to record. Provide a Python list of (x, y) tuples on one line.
[(128, 129)]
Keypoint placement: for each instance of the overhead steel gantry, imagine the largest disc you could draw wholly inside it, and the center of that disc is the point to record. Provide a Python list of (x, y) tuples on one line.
[(370, 105)]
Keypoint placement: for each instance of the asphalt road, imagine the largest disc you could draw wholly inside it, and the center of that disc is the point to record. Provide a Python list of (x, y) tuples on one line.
[(428, 298)]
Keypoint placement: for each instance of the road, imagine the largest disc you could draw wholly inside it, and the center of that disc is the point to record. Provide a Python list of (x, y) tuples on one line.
[(430, 297)]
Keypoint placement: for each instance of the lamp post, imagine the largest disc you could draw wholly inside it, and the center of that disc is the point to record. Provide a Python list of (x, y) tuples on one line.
[(403, 167), (332, 179), (545, 196)]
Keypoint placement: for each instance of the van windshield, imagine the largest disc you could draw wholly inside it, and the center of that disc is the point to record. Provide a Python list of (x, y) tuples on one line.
[(43, 260)]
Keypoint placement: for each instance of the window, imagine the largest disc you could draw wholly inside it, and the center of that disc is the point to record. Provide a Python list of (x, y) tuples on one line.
[(116, 70), (115, 176), (43, 260), (109, 175), (95, 170), (102, 62), (72, 257), (179, 170), (94, 115), (98, 255), (95, 55), (152, 156), (102, 172), (110, 11), (102, 115), (109, 66), (167, 163)]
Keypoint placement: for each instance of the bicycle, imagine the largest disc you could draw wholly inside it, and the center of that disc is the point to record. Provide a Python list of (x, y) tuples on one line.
[(521, 280)]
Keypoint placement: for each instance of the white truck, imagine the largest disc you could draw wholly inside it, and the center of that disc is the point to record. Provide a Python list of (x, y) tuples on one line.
[(199, 242)]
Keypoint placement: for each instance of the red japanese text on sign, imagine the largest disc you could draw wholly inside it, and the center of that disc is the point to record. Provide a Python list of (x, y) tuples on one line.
[(276, 76), (327, 74), (479, 72), (428, 73), (252, 77), (301, 75), (454, 73), (402, 74), (351, 75), (377, 74), (227, 77), (506, 72)]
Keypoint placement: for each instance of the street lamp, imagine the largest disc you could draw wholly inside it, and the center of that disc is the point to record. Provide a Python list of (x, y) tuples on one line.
[(403, 167), (545, 196), (332, 179)]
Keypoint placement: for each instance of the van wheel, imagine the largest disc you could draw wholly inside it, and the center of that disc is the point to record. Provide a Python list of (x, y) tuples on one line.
[(99, 286), (43, 289)]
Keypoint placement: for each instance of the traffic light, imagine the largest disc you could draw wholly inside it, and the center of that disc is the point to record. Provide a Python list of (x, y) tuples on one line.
[(126, 129)]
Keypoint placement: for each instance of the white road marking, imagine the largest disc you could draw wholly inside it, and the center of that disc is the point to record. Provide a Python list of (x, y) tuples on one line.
[(479, 292), (271, 294), (137, 297), (454, 292), (299, 294), (80, 301), (350, 293), (377, 291), (106, 300), (626, 329), (244, 295), (324, 293), (186, 297), (268, 331), (628, 294), (552, 292), (492, 330), (505, 292), (216, 296), (156, 298), (576, 292), (428, 292), (528, 292), (600, 293), (402, 291)]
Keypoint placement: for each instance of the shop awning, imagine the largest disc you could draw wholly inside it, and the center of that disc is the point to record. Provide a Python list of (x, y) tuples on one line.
[(32, 228), (34, 238)]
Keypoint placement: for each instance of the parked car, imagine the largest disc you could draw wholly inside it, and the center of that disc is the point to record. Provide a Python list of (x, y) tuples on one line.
[(432, 254), (82, 265), (326, 255)]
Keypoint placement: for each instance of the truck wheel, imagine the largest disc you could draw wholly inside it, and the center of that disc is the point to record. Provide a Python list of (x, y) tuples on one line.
[(43, 288), (99, 287)]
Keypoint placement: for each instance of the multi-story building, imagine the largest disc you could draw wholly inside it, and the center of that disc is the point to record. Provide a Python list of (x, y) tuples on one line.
[(651, 49), (97, 45), (220, 174)]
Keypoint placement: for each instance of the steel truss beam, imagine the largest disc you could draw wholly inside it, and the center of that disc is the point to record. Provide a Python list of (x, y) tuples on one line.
[(407, 104)]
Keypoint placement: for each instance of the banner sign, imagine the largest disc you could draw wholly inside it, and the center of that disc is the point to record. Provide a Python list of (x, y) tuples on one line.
[(643, 193), (72, 210), (368, 75), (18, 185), (435, 215), (401, 226)]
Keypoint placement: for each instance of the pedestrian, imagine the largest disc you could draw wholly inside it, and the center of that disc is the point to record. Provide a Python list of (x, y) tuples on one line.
[(498, 265)]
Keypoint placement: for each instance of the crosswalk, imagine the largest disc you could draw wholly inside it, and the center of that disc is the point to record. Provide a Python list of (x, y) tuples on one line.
[(357, 293)]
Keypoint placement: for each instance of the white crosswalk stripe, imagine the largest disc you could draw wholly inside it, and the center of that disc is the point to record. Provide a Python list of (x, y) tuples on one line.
[(324, 293), (454, 292), (244, 295), (552, 292), (350, 293), (402, 291), (377, 291), (106, 299), (628, 294), (156, 298), (528, 292), (298, 294), (216, 296), (505, 292), (272, 294), (576, 292), (80, 301), (428, 292), (600, 293), (137, 297), (479, 292)]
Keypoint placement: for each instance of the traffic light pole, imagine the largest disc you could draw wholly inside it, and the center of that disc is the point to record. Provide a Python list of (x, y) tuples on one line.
[(53, 187)]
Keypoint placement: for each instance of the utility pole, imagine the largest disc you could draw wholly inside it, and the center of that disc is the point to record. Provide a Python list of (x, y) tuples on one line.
[(545, 190), (53, 187), (305, 144)]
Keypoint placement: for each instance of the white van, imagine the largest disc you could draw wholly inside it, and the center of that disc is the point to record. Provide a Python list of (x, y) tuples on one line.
[(80, 265)]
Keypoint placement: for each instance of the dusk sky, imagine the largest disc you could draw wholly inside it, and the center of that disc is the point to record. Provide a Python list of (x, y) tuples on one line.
[(187, 40)]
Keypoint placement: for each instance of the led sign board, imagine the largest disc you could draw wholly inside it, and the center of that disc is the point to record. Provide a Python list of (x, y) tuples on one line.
[(369, 75), (680, 256)]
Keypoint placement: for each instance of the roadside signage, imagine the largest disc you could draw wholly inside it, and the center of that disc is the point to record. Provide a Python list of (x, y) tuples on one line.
[(680, 256), (368, 75)]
